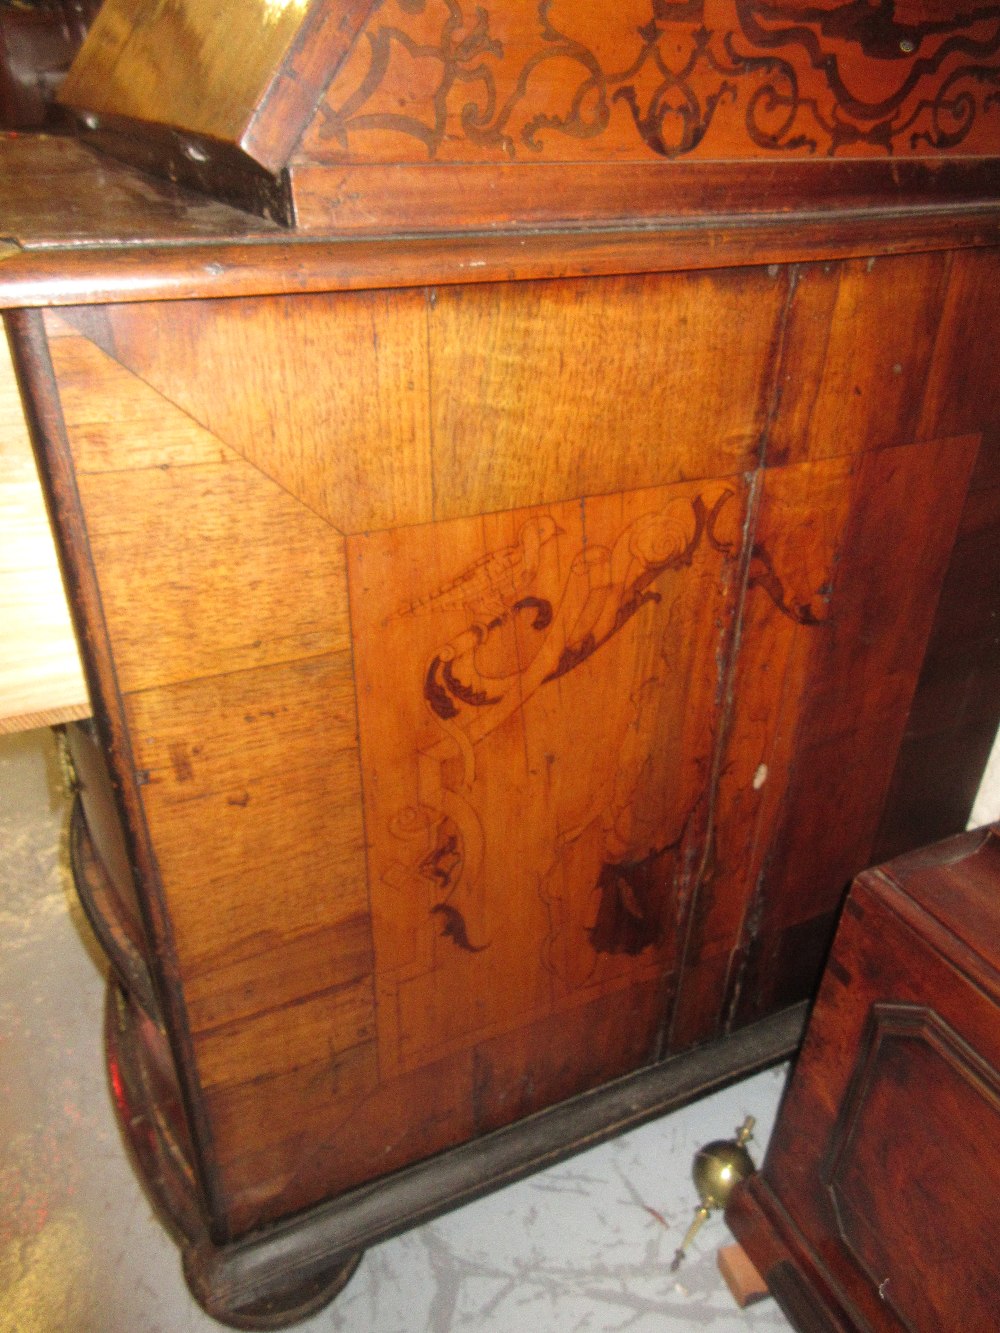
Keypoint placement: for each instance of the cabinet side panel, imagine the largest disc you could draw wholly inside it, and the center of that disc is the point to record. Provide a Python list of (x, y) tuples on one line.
[(905, 508), (956, 709), (886, 1144), (226, 607)]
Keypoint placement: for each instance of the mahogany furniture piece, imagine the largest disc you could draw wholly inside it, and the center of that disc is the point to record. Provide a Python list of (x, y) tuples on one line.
[(875, 1208), (522, 516)]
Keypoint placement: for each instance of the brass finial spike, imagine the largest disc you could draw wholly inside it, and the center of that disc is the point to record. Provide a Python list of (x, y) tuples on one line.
[(745, 1132), (700, 1216)]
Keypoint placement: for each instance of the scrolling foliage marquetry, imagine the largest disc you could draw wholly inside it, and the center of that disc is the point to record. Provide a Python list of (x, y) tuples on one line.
[(538, 80), (523, 619)]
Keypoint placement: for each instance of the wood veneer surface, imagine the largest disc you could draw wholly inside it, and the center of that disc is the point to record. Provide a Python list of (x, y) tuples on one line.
[(477, 779), (885, 1147)]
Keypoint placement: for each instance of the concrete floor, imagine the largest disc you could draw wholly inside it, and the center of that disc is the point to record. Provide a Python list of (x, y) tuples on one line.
[(583, 1246)]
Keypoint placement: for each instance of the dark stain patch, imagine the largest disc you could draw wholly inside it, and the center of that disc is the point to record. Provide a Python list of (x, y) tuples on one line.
[(243, 800), (443, 864), (542, 608), (630, 915), (838, 970), (180, 762), (711, 518), (454, 928)]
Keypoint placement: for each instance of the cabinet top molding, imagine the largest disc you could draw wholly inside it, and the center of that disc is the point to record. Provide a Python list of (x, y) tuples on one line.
[(356, 116)]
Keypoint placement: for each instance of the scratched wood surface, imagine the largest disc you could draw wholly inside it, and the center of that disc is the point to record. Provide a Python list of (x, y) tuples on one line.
[(485, 762)]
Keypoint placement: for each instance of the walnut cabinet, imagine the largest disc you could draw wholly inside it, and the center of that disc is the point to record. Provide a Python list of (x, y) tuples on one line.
[(517, 597)]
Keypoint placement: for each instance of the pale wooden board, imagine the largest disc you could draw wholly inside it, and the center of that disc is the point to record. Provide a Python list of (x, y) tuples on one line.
[(41, 680)]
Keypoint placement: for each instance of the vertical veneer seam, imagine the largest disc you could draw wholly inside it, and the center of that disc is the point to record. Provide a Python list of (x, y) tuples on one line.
[(754, 498), (726, 711)]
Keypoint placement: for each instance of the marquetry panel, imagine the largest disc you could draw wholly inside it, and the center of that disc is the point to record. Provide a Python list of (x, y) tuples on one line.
[(535, 781), (553, 80), (513, 674)]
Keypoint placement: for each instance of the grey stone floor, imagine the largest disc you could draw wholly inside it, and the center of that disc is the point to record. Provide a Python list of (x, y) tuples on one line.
[(578, 1247)]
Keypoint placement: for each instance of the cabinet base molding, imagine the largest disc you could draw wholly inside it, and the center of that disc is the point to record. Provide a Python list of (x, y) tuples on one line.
[(803, 1289), (281, 1274)]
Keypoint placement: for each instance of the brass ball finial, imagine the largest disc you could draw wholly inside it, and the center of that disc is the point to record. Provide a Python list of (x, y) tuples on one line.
[(717, 1169)]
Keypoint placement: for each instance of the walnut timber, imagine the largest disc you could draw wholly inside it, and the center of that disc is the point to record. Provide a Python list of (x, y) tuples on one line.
[(511, 597)]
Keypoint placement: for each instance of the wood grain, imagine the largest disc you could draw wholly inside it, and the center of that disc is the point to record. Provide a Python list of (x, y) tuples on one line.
[(860, 338), (524, 111), (586, 388), (326, 396), (534, 378), (517, 863), (509, 713), (724, 79), (790, 605), (885, 1146), (956, 708), (842, 769)]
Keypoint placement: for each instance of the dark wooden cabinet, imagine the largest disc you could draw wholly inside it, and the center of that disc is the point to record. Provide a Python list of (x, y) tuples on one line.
[(515, 554), (876, 1205)]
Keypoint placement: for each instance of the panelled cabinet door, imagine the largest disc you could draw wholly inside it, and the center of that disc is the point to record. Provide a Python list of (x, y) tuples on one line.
[(873, 1206), (512, 675)]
